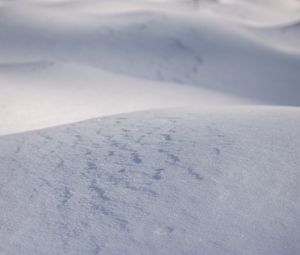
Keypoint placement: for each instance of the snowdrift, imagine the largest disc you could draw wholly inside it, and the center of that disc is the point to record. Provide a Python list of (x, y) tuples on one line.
[(129, 60), (152, 127), (216, 181)]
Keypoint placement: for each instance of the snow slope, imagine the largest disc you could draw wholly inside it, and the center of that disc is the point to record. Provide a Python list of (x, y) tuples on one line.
[(255, 12), (181, 127), (167, 46), (41, 94), (284, 36), (215, 181)]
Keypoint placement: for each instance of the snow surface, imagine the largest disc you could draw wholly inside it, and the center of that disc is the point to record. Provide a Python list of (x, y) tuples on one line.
[(155, 182), (149, 127)]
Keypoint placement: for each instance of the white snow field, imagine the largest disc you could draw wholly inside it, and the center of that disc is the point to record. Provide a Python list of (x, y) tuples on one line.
[(149, 127)]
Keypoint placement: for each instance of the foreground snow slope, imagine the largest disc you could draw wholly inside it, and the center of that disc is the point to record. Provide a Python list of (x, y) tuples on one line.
[(215, 181)]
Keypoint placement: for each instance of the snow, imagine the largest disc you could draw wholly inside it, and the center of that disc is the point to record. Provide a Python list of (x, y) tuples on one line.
[(155, 182), (86, 92), (149, 127)]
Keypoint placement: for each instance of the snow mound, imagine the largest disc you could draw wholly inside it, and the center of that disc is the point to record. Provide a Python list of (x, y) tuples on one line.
[(283, 36), (255, 12), (216, 181), (70, 64), (159, 46), (39, 94)]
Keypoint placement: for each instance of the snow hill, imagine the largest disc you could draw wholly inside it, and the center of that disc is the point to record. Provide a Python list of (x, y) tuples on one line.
[(149, 127), (155, 182)]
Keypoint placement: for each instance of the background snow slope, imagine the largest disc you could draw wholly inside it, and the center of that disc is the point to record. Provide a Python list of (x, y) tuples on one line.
[(45, 44), (203, 155)]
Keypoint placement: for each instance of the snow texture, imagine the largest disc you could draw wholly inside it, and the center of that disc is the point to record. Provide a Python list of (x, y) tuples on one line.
[(155, 182), (146, 127)]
